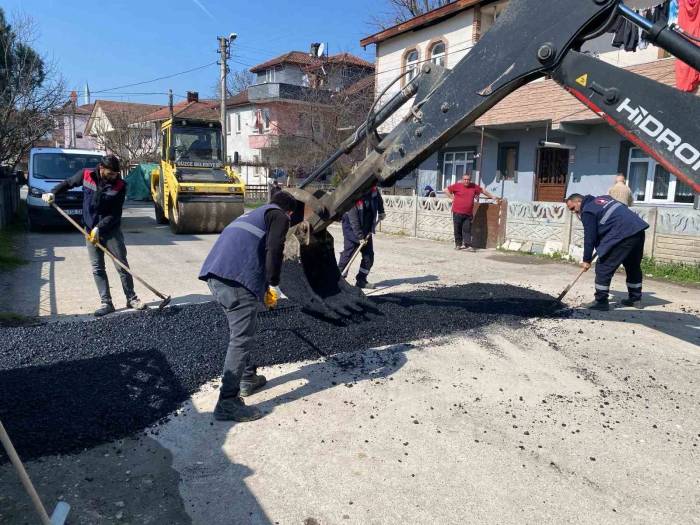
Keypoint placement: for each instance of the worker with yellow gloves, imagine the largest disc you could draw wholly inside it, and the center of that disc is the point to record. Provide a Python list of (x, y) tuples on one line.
[(104, 191), (242, 269)]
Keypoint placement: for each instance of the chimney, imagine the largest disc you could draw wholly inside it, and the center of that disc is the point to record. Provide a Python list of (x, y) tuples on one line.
[(192, 96), (73, 97)]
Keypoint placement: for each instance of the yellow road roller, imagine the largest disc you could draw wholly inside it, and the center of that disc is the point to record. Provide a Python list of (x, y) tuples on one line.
[(193, 189)]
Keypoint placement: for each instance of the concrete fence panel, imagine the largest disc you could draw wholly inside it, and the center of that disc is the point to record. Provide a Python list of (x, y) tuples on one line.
[(677, 235), (545, 227)]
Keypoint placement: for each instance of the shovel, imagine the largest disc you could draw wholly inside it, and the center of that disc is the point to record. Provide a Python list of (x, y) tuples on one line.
[(354, 256), (572, 283), (60, 513), (166, 300)]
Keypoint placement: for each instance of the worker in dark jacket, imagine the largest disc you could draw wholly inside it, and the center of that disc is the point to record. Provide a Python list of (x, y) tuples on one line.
[(358, 226), (243, 269), (103, 199), (617, 235)]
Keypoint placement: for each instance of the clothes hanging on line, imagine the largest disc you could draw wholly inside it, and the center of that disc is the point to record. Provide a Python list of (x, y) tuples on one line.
[(659, 13), (626, 35)]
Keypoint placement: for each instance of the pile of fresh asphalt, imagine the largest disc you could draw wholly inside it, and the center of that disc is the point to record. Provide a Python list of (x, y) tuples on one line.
[(69, 386)]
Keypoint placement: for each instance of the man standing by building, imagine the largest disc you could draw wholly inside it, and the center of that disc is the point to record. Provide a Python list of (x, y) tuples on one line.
[(358, 226), (617, 235), (463, 196), (103, 200), (242, 269), (621, 192)]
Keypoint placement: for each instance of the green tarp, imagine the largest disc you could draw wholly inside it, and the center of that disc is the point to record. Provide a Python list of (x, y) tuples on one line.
[(138, 182)]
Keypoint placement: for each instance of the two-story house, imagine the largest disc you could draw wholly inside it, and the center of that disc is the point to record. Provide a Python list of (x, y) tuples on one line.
[(71, 120), (539, 143), (275, 125)]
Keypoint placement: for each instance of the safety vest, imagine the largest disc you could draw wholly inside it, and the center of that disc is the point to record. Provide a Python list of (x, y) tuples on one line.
[(614, 222), (239, 252)]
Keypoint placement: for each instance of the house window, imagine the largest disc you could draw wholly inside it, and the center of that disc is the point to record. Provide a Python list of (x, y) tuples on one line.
[(455, 164), (508, 160), (411, 64), (266, 119), (238, 122), (271, 75), (437, 54), (651, 183)]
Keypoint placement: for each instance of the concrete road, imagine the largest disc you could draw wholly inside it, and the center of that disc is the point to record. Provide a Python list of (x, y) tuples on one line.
[(593, 419)]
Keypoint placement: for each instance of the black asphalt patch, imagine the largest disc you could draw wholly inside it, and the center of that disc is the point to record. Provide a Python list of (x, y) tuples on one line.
[(69, 386)]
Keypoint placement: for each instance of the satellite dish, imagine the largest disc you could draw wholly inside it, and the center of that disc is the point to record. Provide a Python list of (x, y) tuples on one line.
[(321, 49)]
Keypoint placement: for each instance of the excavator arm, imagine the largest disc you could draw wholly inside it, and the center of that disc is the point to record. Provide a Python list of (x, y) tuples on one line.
[(530, 40)]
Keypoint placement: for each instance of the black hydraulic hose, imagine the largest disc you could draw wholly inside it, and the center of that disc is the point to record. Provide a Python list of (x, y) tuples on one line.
[(665, 37)]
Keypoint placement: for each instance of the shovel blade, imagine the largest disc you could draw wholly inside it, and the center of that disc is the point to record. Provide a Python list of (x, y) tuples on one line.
[(311, 278)]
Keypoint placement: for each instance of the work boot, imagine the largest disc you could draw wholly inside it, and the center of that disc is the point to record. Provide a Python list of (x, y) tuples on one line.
[(135, 304), (601, 306), (235, 409), (636, 303), (249, 386), (106, 308), (365, 285)]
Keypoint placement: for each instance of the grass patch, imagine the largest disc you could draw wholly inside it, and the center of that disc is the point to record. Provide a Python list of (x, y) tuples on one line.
[(9, 239), (676, 272)]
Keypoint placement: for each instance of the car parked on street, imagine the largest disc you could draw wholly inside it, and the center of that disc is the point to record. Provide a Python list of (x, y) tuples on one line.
[(48, 167)]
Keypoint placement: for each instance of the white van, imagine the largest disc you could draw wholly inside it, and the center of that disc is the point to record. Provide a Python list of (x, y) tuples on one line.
[(48, 167)]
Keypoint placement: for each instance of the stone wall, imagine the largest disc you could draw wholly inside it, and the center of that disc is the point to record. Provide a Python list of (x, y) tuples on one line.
[(547, 227), (540, 227), (431, 218)]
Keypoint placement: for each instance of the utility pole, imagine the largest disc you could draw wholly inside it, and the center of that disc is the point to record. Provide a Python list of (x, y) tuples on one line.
[(224, 52)]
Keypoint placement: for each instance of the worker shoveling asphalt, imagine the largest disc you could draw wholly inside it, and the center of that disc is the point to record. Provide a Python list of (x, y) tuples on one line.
[(103, 201)]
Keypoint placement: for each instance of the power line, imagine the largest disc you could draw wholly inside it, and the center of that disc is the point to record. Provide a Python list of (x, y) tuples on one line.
[(155, 79)]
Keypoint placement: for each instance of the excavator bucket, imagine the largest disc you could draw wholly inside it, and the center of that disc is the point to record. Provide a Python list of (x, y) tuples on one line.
[(311, 278)]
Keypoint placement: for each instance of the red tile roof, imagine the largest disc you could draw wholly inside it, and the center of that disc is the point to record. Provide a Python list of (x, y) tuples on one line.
[(201, 110), (429, 18), (360, 86), (544, 101), (293, 57), (238, 99), (130, 110), (305, 60)]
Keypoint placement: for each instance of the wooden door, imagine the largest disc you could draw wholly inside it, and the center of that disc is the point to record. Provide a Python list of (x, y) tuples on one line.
[(552, 167)]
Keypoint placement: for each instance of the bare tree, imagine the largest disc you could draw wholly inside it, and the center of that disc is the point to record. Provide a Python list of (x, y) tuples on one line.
[(236, 81), (399, 11), (30, 90), (316, 126), (127, 137)]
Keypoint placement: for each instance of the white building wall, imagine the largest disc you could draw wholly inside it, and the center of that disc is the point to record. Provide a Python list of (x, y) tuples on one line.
[(456, 32), (240, 142)]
